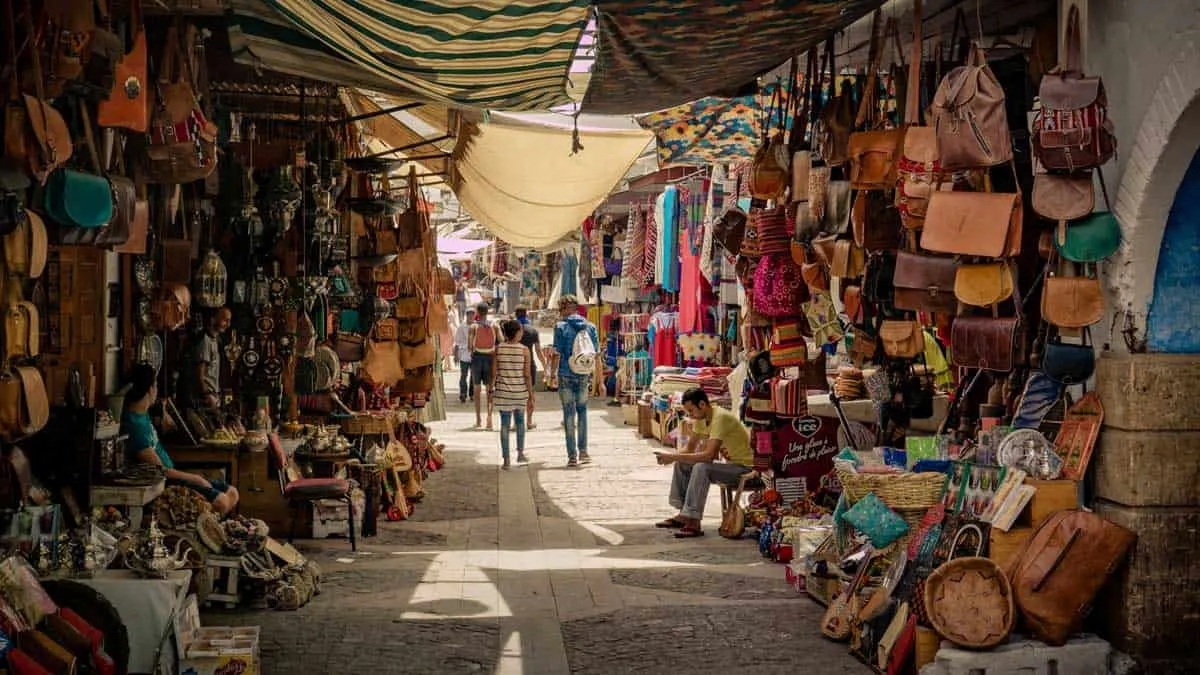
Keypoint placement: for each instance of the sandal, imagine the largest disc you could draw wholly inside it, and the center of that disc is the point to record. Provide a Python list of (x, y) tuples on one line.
[(670, 523), (688, 532)]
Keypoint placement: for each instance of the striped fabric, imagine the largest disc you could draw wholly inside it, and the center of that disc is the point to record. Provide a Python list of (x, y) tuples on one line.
[(511, 389), (497, 54)]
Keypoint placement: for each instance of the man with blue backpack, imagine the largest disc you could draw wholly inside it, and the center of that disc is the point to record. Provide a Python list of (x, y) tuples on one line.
[(577, 344)]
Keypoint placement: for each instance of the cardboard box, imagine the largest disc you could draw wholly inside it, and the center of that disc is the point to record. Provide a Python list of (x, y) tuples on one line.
[(215, 650), (331, 518), (1002, 546)]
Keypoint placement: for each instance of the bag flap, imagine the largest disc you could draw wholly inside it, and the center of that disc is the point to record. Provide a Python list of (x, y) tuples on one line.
[(887, 142), (925, 272), (901, 331), (920, 146), (1072, 302), (983, 285), (1069, 91), (1063, 197), (1091, 239), (982, 342), (83, 198), (973, 223)]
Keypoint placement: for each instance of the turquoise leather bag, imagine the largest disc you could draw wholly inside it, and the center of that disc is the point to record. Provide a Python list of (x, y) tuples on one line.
[(77, 199), (1091, 239)]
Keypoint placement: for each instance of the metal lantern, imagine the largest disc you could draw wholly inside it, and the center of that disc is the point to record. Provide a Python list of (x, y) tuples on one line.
[(213, 280)]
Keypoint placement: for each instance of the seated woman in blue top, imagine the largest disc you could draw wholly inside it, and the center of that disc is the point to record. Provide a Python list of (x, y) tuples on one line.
[(143, 444)]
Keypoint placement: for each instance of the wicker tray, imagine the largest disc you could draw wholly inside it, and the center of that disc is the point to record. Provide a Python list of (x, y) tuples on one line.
[(969, 602), (907, 491)]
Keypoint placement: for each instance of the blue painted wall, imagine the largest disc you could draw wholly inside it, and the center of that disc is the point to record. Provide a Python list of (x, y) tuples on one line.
[(1174, 322)]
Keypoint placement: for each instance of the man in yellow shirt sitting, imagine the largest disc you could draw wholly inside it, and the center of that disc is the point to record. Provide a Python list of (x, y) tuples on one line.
[(716, 434)]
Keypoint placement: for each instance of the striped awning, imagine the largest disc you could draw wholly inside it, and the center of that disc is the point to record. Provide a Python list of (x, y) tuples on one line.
[(497, 54), (656, 54)]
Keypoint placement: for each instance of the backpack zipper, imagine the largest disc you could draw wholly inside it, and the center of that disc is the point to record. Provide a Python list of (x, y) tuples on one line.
[(987, 150)]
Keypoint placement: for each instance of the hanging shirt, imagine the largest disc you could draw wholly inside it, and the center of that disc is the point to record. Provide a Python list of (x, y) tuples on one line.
[(669, 256)]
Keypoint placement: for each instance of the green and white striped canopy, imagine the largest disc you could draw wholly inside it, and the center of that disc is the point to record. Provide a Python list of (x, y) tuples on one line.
[(497, 54)]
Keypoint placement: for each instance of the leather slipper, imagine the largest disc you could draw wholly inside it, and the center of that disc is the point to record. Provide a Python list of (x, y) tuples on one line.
[(670, 523), (689, 533)]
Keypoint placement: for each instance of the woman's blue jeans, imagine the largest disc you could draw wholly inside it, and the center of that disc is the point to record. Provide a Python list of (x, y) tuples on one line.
[(507, 417), (573, 393)]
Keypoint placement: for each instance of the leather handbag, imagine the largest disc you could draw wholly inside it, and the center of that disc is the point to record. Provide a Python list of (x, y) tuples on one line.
[(729, 229), (1063, 197), (418, 356), (350, 347), (172, 308), (768, 179), (848, 261), (78, 200), (733, 520), (1068, 363), (876, 221), (864, 348), (127, 106), (838, 200), (381, 363), (24, 406), (417, 381), (21, 331), (902, 339), (1072, 129), (409, 307), (411, 331), (1059, 570), (969, 117), (139, 230), (925, 283), (986, 343), (1091, 239), (983, 285), (25, 247), (182, 146), (124, 197), (874, 158), (836, 124), (986, 224), (44, 134), (1072, 302)]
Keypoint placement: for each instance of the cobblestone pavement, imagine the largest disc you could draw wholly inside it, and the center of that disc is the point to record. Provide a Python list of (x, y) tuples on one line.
[(544, 569)]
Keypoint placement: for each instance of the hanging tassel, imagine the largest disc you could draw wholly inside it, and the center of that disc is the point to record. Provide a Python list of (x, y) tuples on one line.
[(576, 144)]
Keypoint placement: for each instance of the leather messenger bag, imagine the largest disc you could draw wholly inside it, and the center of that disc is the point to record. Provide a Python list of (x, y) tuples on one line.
[(925, 283), (986, 343), (986, 224)]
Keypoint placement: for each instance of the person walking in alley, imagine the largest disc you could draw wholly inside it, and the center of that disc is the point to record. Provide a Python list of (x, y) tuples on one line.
[(576, 342), (462, 353), (481, 342), (531, 339), (717, 434), (460, 300), (511, 388)]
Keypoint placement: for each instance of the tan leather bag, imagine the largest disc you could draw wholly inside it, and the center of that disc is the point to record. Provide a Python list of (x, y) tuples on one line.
[(1072, 302), (25, 247), (969, 117), (983, 285), (875, 159), (128, 103), (986, 224), (733, 521), (768, 179), (902, 339), (1059, 570), (849, 260), (21, 331), (1063, 197), (24, 407), (381, 363), (418, 356), (139, 229)]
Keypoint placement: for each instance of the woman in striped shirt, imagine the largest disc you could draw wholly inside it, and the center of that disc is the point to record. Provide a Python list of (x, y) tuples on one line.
[(511, 388)]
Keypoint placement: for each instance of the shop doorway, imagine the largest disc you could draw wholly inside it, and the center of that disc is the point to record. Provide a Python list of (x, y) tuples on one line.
[(1174, 321)]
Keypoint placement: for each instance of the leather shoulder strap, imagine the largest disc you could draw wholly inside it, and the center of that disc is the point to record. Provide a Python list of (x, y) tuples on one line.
[(16, 333), (35, 406), (38, 243), (32, 322)]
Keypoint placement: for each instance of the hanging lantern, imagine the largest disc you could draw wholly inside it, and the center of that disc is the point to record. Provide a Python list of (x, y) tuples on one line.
[(213, 278)]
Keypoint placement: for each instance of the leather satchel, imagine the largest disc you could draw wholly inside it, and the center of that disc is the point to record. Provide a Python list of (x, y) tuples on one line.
[(1072, 302), (182, 146), (417, 381), (925, 283), (79, 200), (1059, 570), (848, 261), (127, 106), (768, 179), (733, 520), (173, 307), (381, 363), (1090, 239), (825, 248), (835, 126), (876, 221), (409, 307), (986, 224), (816, 275), (1068, 363), (983, 285), (1063, 197), (419, 356), (874, 158), (25, 247), (24, 406), (21, 331), (986, 343), (902, 339), (852, 302), (1072, 129), (969, 117)]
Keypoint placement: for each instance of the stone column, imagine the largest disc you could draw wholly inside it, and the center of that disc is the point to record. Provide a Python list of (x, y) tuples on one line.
[(1147, 469)]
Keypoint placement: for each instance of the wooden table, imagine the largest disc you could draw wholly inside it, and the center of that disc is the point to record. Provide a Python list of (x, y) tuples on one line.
[(224, 456), (135, 497)]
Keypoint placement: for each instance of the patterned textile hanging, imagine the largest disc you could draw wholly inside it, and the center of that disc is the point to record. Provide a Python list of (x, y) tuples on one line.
[(650, 259)]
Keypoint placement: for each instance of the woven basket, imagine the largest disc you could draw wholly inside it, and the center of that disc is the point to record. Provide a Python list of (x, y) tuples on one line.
[(366, 425), (900, 491), (970, 603)]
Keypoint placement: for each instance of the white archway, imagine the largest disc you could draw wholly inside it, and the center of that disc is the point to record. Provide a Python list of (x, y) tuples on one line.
[(1167, 139)]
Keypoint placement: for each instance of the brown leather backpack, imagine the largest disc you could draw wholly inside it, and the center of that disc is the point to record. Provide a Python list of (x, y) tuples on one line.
[(969, 117)]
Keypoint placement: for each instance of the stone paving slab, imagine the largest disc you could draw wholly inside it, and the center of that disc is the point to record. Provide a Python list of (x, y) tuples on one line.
[(544, 570)]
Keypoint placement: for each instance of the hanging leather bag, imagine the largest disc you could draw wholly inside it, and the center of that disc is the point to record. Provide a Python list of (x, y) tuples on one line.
[(836, 125), (1072, 130), (24, 406), (986, 343), (902, 339), (1059, 570), (381, 362), (413, 357), (969, 117), (918, 165), (983, 285), (985, 224), (1063, 197), (350, 347), (1072, 302), (876, 221), (46, 137), (733, 520), (25, 247), (182, 145), (139, 228), (874, 152), (1069, 363), (729, 230), (848, 261), (127, 106), (21, 331), (925, 283)]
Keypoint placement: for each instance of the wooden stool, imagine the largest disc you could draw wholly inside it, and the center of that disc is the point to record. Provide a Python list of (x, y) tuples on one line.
[(727, 491), (223, 575)]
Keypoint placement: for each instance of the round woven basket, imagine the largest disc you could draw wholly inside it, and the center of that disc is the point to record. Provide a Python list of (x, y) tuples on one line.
[(907, 491), (969, 602)]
